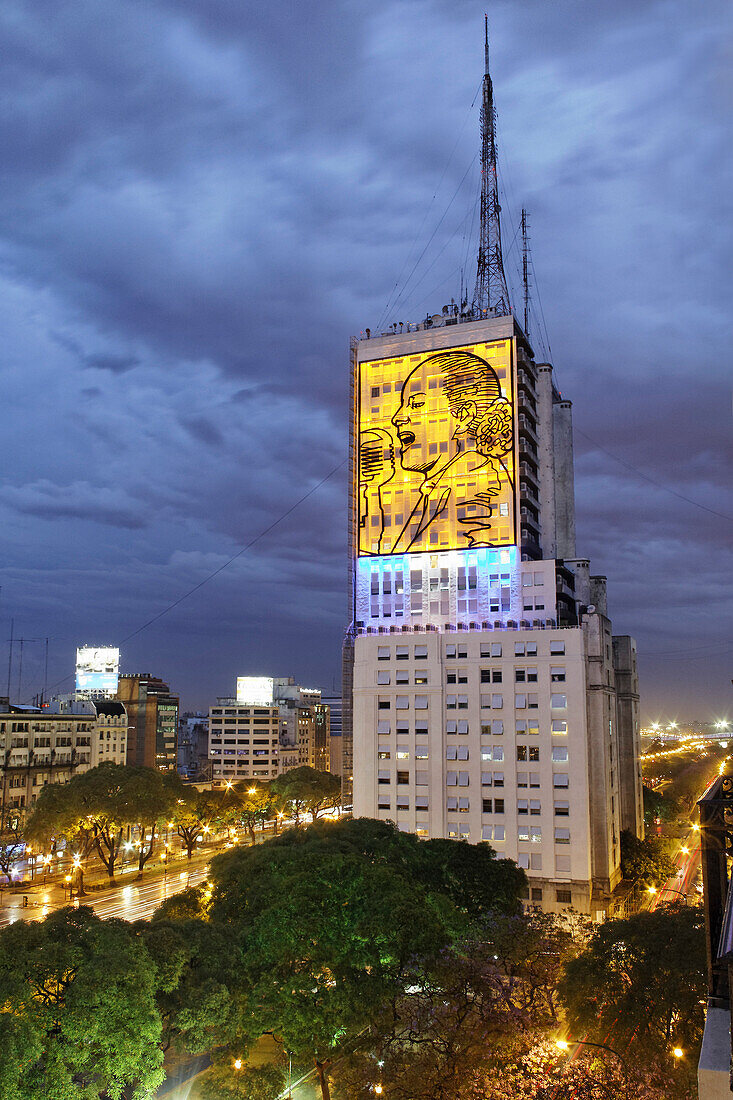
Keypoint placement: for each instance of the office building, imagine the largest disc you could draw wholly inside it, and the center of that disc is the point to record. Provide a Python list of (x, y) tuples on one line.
[(272, 726), (485, 696), (152, 711)]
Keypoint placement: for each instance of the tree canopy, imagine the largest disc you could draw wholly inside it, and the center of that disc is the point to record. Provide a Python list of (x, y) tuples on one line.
[(641, 979), (649, 861), (78, 1015), (308, 790)]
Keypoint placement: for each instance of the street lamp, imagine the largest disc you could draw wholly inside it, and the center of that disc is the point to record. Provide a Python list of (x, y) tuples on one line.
[(564, 1045), (678, 1052), (237, 1063)]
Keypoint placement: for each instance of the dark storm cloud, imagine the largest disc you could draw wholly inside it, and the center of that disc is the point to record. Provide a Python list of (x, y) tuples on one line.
[(199, 203)]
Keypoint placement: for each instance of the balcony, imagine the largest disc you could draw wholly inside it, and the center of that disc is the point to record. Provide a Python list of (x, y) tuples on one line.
[(714, 1067)]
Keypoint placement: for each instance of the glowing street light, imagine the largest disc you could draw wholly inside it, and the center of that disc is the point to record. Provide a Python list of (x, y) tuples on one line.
[(378, 1089), (237, 1063), (678, 1052)]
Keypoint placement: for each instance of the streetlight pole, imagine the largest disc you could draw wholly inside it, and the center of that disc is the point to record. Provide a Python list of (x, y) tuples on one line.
[(564, 1044)]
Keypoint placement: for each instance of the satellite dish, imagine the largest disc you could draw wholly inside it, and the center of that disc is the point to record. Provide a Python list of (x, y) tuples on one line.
[(591, 608)]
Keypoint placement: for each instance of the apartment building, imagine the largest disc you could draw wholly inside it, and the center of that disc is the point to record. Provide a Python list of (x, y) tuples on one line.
[(50, 744)]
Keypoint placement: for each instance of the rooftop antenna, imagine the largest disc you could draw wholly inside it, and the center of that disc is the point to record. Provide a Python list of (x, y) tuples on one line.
[(491, 292), (525, 271)]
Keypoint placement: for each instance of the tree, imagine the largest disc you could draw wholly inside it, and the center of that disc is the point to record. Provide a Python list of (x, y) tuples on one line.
[(12, 846), (253, 804), (642, 978), (223, 1081), (199, 1004), (648, 861), (150, 801), (657, 806), (78, 1014), (470, 875), (91, 811), (194, 812), (308, 790), (327, 938)]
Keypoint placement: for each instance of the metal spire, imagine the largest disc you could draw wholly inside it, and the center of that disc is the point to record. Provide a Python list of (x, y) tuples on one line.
[(525, 271), (491, 292)]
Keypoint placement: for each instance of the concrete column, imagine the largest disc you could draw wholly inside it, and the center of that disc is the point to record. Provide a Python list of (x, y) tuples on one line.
[(546, 455), (627, 724), (562, 419)]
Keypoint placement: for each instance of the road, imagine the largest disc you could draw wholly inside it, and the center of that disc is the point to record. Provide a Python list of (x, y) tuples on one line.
[(133, 901)]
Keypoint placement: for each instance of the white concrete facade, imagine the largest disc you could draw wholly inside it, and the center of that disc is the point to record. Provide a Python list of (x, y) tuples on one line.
[(481, 736)]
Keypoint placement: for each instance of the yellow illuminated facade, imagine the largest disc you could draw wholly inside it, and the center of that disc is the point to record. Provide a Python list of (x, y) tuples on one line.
[(436, 458)]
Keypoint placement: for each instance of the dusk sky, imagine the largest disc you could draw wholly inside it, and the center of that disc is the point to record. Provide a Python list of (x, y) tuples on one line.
[(202, 200)]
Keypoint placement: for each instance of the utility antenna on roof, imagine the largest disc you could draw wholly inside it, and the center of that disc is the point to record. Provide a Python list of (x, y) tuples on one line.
[(491, 292), (525, 271)]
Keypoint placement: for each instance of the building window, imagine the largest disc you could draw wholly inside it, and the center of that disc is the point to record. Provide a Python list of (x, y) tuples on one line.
[(499, 807), (557, 675), (559, 726), (535, 807), (561, 779), (421, 652), (384, 704), (383, 677), (498, 779), (421, 702), (562, 836), (402, 702), (383, 777), (559, 753), (558, 702), (497, 702), (402, 653), (451, 779), (520, 702), (557, 649), (564, 897), (562, 809)]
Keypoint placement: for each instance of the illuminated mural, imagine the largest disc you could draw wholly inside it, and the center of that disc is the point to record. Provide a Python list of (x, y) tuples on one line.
[(436, 451)]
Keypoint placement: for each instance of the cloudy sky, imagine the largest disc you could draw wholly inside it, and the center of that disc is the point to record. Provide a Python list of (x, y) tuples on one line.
[(201, 200)]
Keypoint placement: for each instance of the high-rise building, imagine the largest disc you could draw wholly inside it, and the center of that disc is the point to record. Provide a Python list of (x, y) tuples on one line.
[(152, 711), (483, 690), (335, 706)]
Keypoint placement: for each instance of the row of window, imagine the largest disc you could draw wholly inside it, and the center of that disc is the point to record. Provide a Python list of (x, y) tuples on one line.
[(495, 728), (560, 780), (460, 702), (458, 651), (528, 675)]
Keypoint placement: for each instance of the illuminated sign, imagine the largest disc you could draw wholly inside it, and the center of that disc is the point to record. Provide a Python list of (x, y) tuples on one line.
[(256, 690), (436, 466), (97, 669)]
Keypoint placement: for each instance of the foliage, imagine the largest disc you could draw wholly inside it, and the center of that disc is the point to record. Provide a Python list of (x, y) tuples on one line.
[(657, 806), (195, 812), (470, 875), (200, 1005), (12, 846), (649, 861), (308, 790), (326, 938), (644, 979), (151, 800), (254, 804), (78, 1010), (93, 810), (222, 1082)]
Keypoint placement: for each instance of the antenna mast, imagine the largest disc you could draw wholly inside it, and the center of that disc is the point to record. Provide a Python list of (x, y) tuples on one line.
[(491, 292), (525, 271)]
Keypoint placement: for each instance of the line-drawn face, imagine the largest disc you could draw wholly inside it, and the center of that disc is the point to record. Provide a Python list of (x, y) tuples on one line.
[(420, 442)]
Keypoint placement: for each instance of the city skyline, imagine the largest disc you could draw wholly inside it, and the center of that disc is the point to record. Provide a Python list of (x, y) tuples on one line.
[(186, 260)]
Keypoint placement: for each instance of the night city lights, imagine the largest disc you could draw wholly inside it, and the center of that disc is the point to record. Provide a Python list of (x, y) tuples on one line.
[(365, 713)]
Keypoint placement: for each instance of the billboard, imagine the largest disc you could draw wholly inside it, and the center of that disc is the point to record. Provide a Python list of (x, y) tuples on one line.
[(436, 452), (256, 690), (97, 669)]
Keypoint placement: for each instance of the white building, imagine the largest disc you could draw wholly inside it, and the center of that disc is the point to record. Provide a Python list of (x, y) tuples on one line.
[(488, 699), (50, 744)]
